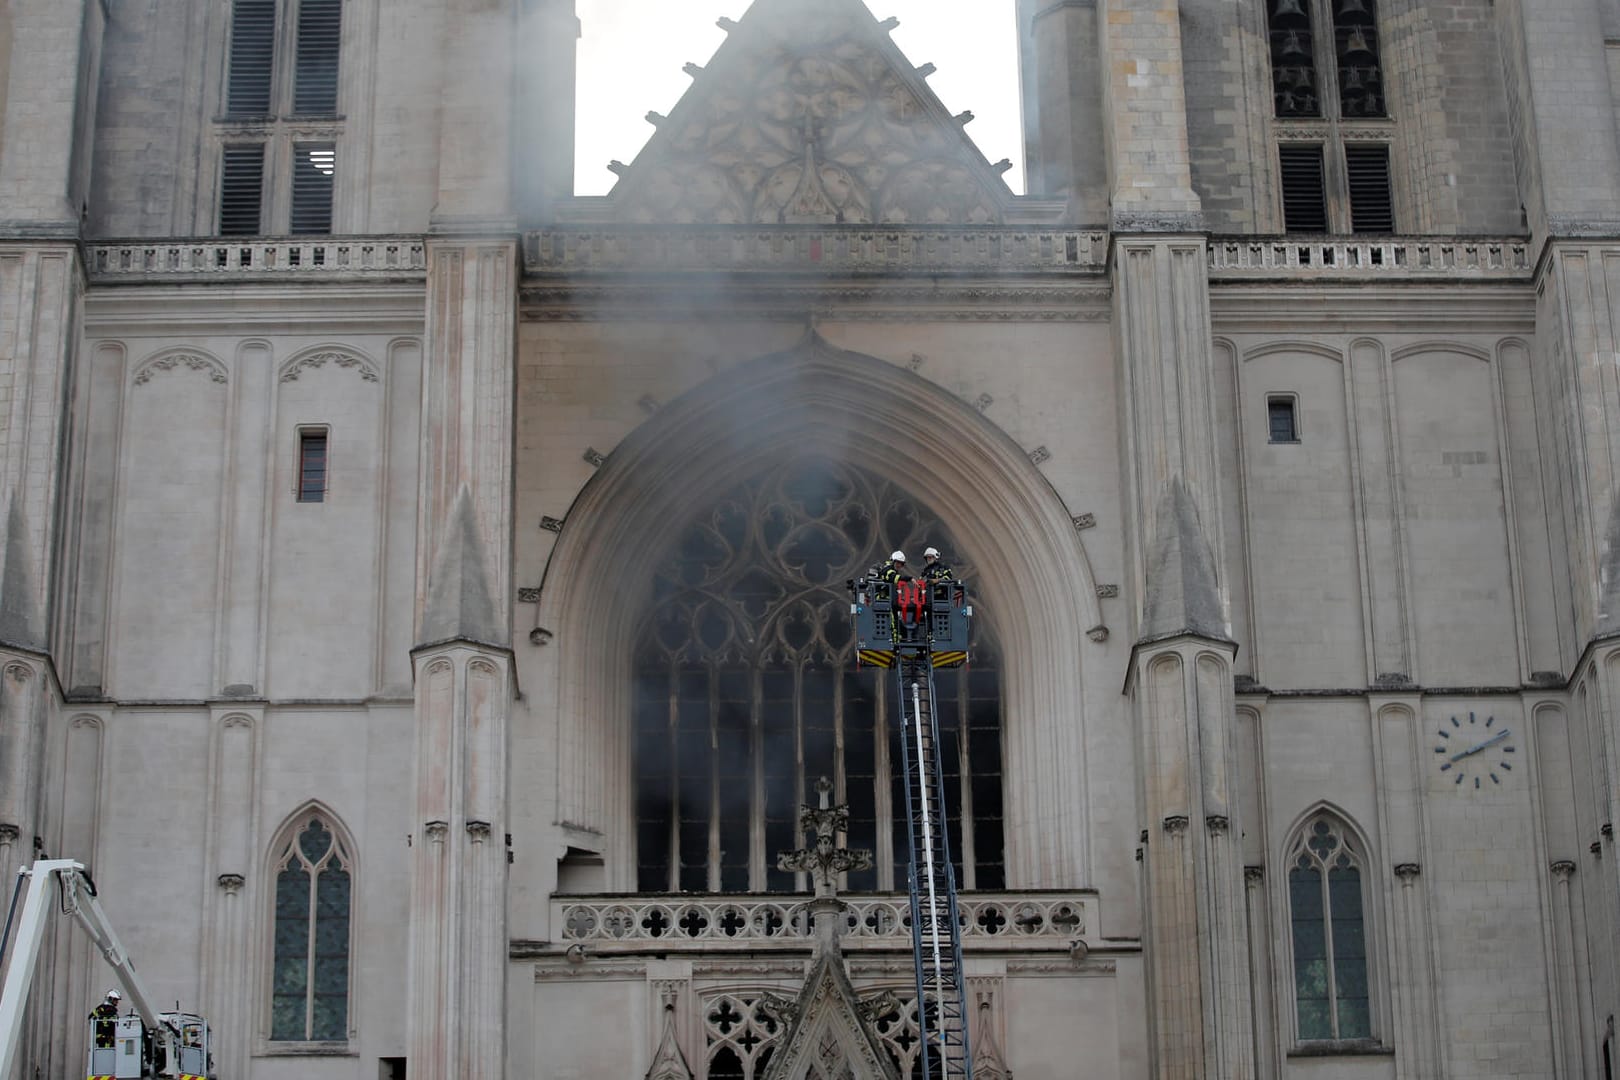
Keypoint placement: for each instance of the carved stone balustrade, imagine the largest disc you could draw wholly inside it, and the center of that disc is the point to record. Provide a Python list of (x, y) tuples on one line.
[(326, 258), (1293, 258), (999, 922), (849, 249)]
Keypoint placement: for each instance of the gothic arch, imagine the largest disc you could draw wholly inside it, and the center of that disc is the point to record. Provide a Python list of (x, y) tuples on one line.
[(986, 491), (287, 834)]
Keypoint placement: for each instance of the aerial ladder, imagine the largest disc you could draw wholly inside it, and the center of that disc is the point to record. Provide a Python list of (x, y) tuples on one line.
[(143, 1046), (915, 626)]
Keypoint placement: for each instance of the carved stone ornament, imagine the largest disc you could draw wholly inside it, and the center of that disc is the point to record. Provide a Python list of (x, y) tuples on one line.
[(1407, 872), (988, 1060), (436, 831), (1040, 455), (826, 860), (529, 595), (9, 833), (1562, 869), (1607, 830), (178, 361), (1098, 633), (551, 524), (805, 116), (1082, 522), (1217, 824), (345, 360), (668, 1062), (1176, 824), (478, 830), (1254, 875), (1107, 592), (232, 883), (594, 457)]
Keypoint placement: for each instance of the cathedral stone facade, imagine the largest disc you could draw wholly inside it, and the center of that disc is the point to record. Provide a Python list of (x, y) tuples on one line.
[(423, 588)]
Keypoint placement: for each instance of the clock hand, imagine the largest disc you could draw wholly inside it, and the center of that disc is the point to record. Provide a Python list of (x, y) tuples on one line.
[(1471, 751)]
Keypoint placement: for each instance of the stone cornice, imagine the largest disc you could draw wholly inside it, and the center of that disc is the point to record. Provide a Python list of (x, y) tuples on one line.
[(821, 250), (1333, 307), (993, 300)]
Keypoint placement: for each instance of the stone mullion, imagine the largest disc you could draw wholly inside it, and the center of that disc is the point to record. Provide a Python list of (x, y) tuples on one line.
[(1569, 1002)]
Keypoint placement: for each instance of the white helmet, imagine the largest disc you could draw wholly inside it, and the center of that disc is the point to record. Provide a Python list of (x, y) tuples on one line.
[(931, 553), (114, 995), (897, 556)]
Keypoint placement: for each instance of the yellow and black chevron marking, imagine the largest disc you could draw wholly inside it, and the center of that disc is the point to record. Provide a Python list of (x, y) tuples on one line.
[(949, 659), (881, 658)]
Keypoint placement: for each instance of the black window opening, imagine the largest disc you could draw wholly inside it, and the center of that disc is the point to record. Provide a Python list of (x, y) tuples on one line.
[(1304, 190), (1282, 416), (241, 190), (747, 692), (1355, 40), (1293, 60), (314, 178), (312, 466), (315, 75), (1372, 208), (252, 58)]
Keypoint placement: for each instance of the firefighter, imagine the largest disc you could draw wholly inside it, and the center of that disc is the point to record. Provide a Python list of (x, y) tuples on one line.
[(895, 568), (104, 1015), (934, 568)]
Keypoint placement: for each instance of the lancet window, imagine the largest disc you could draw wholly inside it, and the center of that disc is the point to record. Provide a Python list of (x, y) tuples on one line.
[(309, 999), (747, 692), (1328, 913)]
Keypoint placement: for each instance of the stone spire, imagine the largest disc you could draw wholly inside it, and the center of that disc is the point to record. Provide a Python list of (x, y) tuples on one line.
[(460, 606), (1182, 597)]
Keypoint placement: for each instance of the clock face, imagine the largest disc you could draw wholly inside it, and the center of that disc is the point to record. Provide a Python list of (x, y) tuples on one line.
[(1476, 750)]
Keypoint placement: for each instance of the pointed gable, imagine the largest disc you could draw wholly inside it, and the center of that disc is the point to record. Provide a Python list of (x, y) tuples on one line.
[(828, 1038), (809, 113)]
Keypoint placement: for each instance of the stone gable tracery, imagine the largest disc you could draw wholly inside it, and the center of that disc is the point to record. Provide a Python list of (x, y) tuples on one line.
[(811, 115)]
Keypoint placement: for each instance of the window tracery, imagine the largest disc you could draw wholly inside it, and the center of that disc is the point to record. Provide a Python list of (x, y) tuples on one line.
[(310, 964), (747, 691), (740, 1033), (1327, 907)]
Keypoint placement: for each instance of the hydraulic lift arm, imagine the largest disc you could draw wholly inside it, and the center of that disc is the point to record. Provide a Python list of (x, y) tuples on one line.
[(66, 879)]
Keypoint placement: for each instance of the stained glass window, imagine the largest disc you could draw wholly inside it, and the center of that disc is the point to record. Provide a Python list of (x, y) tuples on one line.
[(310, 980), (747, 691), (1327, 911)]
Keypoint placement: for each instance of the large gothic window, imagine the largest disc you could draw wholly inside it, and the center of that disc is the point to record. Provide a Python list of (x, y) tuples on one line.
[(747, 691), (1332, 993), (310, 980)]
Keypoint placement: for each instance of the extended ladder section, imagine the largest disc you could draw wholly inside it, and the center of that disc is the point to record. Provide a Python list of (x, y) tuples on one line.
[(935, 930)]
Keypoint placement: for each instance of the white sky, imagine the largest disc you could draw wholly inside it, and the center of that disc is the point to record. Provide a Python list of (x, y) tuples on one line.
[(632, 52)]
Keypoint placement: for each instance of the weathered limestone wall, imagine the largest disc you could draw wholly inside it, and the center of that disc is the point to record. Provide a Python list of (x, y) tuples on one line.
[(188, 458)]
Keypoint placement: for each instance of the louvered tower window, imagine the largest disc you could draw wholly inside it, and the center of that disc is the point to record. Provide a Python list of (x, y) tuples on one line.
[(315, 80), (1341, 182), (241, 190), (252, 58), (283, 64), (1293, 60), (1303, 188), (314, 174), (1367, 170)]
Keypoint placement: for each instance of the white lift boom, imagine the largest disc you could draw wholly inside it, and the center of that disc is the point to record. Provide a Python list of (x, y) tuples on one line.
[(182, 1039)]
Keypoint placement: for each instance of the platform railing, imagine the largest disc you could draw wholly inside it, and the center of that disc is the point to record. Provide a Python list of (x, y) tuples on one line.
[(252, 257)]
